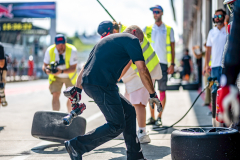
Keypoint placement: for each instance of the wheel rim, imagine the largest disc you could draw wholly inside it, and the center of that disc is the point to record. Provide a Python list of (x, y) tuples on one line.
[(209, 130)]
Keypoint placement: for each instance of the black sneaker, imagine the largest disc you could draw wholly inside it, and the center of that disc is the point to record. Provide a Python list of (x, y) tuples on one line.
[(151, 121), (73, 154), (158, 122)]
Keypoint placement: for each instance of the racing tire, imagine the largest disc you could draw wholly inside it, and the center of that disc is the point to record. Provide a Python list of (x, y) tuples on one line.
[(48, 125), (205, 143)]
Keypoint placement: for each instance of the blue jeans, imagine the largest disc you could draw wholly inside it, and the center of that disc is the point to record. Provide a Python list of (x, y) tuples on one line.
[(120, 116), (216, 72)]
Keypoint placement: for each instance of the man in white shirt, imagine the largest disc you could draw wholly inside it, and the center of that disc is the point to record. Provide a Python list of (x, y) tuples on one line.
[(216, 40), (66, 57), (162, 41)]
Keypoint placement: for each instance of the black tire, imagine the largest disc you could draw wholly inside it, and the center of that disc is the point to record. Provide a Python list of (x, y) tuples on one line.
[(205, 143), (48, 125), (190, 86), (173, 86)]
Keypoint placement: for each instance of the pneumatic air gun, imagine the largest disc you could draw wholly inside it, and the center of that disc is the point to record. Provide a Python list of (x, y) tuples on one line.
[(77, 108)]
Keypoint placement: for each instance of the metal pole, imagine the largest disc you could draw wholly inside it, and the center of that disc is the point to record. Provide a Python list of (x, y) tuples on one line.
[(106, 11)]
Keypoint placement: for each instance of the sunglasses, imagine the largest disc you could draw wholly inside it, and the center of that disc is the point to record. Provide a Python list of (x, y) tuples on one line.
[(156, 12), (219, 16)]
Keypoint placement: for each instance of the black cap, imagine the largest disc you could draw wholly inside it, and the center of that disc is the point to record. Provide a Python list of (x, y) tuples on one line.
[(105, 27), (60, 39), (1, 51)]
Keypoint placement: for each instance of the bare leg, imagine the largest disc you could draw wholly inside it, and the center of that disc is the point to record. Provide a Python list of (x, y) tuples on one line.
[(141, 114), (163, 105), (55, 101), (152, 112)]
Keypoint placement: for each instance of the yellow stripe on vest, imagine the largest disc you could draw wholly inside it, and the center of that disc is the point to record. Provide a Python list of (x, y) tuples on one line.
[(150, 57), (72, 76), (148, 32)]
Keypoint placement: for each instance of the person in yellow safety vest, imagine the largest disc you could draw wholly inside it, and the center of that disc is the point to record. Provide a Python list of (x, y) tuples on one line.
[(161, 37), (135, 92), (66, 57)]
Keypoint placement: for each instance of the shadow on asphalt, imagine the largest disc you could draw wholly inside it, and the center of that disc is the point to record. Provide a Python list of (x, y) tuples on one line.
[(155, 152), (201, 111), (148, 151), (1, 128), (115, 150), (162, 130), (50, 149)]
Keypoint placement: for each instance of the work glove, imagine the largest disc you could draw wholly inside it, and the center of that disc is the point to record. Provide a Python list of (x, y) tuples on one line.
[(74, 94), (228, 104), (154, 99)]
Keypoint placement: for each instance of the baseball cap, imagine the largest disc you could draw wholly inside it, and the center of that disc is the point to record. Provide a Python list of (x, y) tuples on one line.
[(156, 7), (60, 39), (105, 28)]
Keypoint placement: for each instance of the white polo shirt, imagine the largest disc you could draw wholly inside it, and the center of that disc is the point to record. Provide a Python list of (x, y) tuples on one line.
[(159, 35), (216, 39), (73, 60)]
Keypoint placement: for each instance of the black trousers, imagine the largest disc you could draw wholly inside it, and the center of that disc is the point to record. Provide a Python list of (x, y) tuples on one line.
[(120, 116)]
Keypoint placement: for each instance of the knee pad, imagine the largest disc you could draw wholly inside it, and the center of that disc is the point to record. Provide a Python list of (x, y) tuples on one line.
[(162, 95)]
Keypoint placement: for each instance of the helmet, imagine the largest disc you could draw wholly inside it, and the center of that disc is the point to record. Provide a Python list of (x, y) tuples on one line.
[(230, 4)]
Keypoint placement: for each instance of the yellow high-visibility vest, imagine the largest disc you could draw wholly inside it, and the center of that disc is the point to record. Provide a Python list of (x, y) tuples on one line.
[(148, 32), (72, 76), (122, 28), (150, 57)]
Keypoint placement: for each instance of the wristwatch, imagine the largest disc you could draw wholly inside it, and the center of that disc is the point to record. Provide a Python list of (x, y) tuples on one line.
[(62, 71), (173, 64)]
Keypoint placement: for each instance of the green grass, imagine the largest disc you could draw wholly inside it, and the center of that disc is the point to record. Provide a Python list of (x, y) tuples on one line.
[(78, 44)]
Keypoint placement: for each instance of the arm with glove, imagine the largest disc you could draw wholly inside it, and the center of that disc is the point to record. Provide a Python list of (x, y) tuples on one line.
[(75, 92), (147, 82), (229, 97)]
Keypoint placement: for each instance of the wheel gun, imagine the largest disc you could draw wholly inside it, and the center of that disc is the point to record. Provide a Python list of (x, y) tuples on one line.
[(77, 108)]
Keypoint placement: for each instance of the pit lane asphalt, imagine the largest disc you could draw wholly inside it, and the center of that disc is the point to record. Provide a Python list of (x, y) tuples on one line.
[(25, 98)]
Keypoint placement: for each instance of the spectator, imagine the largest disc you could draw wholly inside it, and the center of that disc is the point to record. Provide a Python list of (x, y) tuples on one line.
[(215, 45), (21, 67), (9, 64), (199, 54), (162, 40), (187, 65), (3, 75), (30, 66), (14, 66)]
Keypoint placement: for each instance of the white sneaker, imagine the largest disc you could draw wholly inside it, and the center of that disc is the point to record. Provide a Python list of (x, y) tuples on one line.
[(119, 137), (143, 137)]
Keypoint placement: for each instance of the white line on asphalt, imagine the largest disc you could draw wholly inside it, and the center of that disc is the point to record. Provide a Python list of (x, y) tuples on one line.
[(94, 117), (20, 157)]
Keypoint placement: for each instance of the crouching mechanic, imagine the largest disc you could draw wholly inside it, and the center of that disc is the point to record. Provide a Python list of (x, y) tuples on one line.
[(3, 75), (98, 78), (66, 57), (135, 92), (229, 95)]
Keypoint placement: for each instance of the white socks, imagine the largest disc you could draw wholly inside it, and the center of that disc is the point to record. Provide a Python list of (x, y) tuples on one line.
[(143, 129)]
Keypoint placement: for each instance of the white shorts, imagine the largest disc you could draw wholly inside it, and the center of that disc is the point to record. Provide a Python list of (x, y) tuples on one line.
[(139, 96)]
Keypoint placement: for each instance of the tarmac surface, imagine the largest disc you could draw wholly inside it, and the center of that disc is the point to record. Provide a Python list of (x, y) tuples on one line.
[(25, 98)]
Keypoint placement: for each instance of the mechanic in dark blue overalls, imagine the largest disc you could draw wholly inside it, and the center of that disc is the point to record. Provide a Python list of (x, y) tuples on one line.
[(98, 78)]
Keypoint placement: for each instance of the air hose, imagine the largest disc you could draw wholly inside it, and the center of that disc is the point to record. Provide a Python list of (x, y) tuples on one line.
[(167, 127)]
